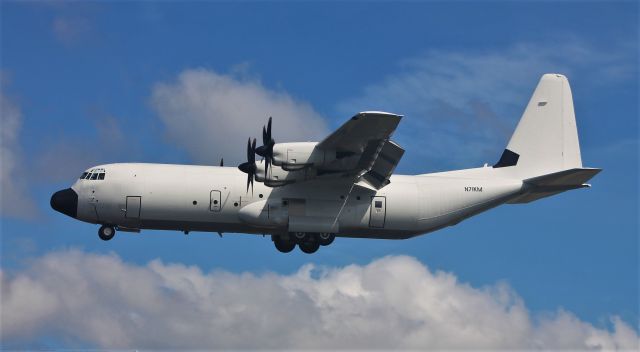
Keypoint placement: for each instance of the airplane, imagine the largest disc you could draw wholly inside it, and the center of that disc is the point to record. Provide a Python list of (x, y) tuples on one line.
[(307, 194)]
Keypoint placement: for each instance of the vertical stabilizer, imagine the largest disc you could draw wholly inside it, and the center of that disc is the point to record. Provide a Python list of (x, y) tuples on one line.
[(546, 138)]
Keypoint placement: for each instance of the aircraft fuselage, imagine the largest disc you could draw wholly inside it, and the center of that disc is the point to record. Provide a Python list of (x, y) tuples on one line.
[(214, 199)]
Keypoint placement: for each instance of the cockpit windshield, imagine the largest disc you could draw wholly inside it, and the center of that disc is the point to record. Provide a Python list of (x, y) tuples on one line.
[(93, 174)]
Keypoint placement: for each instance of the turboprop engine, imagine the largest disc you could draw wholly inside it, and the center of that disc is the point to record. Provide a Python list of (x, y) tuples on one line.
[(300, 155), (270, 175), (286, 163), (276, 176)]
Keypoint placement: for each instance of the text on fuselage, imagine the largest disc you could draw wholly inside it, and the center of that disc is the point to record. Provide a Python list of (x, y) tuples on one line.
[(473, 189)]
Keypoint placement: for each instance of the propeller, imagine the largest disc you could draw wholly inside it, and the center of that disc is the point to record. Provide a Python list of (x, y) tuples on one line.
[(222, 162), (266, 149), (249, 167)]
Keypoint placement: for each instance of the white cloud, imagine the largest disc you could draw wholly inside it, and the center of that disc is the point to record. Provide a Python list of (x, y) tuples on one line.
[(14, 198), (395, 302), (461, 107), (212, 115)]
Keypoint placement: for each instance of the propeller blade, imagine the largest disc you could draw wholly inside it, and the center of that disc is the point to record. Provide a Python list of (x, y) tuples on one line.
[(249, 154), (265, 138), (222, 162), (267, 162), (268, 131), (249, 167), (253, 151)]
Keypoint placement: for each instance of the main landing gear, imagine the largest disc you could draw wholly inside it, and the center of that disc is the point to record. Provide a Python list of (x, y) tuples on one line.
[(106, 232), (306, 241)]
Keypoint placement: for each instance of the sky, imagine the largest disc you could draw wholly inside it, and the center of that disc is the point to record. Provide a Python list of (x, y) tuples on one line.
[(86, 83)]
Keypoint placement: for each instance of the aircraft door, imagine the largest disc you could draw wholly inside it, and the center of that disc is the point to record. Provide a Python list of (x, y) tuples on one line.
[(93, 207), (133, 207), (378, 212), (215, 201)]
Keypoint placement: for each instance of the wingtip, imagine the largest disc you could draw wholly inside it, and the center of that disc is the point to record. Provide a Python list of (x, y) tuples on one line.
[(383, 113)]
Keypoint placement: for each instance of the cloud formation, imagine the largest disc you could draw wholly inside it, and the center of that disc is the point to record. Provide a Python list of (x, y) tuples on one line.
[(211, 115), (14, 198), (394, 302), (461, 107)]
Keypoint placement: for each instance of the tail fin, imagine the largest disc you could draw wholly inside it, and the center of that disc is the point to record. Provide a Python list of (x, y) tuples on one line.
[(546, 139)]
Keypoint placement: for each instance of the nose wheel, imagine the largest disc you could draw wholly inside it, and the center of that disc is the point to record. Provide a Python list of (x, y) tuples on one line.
[(106, 232)]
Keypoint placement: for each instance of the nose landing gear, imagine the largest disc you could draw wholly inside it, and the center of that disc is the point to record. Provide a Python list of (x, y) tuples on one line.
[(106, 232)]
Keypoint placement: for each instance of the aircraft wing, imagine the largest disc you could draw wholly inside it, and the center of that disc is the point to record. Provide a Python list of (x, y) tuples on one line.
[(366, 136), (356, 134)]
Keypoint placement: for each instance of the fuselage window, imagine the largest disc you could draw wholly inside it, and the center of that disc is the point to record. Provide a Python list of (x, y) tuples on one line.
[(94, 176), (378, 204), (84, 175), (101, 176)]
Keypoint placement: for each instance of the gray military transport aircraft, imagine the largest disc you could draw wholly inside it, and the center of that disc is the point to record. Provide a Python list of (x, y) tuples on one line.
[(308, 193)]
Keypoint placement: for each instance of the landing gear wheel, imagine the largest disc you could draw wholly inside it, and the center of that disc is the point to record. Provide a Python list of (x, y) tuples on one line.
[(300, 237), (326, 238), (106, 232), (309, 246), (284, 246)]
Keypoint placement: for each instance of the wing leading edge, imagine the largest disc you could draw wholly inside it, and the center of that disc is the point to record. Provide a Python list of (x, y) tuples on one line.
[(354, 135)]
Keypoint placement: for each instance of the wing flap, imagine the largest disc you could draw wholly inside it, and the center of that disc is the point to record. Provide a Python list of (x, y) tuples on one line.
[(383, 165)]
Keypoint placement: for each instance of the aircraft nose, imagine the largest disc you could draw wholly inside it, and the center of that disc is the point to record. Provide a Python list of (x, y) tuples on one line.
[(66, 202)]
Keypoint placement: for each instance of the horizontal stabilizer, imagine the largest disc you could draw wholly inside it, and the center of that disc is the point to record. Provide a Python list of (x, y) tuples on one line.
[(554, 183)]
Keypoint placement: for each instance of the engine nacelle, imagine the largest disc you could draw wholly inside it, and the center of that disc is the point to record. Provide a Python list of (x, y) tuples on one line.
[(276, 176), (302, 155), (297, 156)]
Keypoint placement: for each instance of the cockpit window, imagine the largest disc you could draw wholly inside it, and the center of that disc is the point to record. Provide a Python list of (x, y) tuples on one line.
[(94, 174)]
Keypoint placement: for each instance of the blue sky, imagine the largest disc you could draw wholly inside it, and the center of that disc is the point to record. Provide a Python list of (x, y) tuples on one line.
[(89, 83)]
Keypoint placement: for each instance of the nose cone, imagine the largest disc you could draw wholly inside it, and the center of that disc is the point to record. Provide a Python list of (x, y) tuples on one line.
[(66, 202)]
